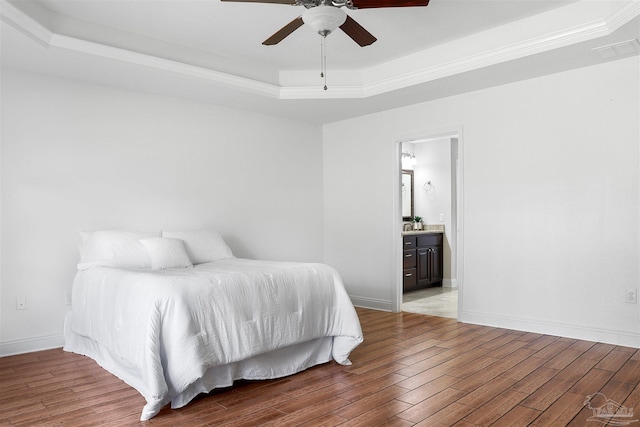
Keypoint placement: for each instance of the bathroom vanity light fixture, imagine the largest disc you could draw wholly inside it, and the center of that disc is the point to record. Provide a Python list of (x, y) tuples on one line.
[(410, 157)]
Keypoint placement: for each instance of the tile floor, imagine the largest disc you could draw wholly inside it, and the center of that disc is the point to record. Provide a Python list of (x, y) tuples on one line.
[(436, 301)]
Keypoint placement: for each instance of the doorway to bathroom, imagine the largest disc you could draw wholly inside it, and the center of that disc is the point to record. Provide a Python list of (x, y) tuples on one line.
[(435, 197)]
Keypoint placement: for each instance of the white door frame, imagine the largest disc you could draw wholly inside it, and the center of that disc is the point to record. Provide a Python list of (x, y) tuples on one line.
[(451, 132)]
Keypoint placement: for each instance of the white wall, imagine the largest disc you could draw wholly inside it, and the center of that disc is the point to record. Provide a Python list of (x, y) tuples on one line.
[(551, 201), (80, 157), (551, 197)]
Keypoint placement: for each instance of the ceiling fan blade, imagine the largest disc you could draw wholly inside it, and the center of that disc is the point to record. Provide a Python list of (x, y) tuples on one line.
[(284, 32), (357, 32), (292, 2), (368, 4)]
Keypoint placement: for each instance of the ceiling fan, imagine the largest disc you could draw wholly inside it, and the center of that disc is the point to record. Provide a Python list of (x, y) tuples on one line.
[(325, 16)]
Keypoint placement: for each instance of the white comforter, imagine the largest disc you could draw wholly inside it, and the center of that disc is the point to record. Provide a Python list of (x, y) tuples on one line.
[(170, 326)]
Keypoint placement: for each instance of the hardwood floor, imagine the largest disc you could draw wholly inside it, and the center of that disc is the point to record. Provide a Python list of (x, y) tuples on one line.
[(411, 370)]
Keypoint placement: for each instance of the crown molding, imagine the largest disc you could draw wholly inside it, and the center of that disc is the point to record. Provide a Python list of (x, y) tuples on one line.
[(27, 25), (601, 27), (24, 23), (217, 77), (622, 15), (394, 75)]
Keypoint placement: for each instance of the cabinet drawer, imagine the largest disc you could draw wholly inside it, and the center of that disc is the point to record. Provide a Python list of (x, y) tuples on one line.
[(409, 279), (409, 259), (429, 240), (409, 242)]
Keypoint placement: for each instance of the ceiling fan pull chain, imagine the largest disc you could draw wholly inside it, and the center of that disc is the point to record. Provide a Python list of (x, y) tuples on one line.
[(323, 73), (322, 57)]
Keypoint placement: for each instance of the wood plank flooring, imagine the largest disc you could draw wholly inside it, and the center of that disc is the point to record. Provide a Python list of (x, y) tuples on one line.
[(411, 370)]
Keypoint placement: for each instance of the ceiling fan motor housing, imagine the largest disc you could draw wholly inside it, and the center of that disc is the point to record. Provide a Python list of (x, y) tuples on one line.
[(324, 19)]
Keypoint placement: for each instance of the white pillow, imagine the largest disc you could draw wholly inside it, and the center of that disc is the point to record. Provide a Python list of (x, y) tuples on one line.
[(166, 253), (202, 246), (114, 248)]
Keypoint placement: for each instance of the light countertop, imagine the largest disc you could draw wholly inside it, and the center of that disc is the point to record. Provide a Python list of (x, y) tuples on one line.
[(437, 228)]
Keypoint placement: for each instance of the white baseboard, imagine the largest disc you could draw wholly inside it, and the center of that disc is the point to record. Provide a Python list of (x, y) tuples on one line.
[(372, 303), (28, 345), (449, 283), (602, 335), (607, 336)]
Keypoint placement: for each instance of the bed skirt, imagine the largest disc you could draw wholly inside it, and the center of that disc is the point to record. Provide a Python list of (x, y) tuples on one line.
[(275, 364)]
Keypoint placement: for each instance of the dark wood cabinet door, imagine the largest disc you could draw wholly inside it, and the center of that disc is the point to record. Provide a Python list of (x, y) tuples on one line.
[(423, 266), (429, 265), (435, 265)]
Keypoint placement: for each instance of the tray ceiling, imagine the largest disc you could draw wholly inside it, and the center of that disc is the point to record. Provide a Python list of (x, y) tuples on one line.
[(211, 50)]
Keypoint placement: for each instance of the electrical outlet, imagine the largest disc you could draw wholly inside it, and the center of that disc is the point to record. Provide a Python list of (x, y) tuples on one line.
[(631, 296), (67, 297), (21, 302)]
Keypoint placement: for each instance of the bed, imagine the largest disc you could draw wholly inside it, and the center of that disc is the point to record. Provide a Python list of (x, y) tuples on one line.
[(176, 314)]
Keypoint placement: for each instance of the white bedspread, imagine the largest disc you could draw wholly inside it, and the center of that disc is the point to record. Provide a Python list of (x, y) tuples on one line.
[(168, 327)]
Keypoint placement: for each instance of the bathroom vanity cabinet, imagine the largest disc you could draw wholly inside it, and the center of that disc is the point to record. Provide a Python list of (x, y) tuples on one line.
[(422, 260)]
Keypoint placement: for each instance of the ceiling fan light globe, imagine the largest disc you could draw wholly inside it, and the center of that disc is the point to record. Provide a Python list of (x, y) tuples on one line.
[(324, 19)]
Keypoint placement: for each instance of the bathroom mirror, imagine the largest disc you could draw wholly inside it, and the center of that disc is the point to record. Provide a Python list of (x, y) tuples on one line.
[(407, 195)]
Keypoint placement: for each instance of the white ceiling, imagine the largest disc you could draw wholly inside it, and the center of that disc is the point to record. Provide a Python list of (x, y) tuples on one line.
[(211, 50)]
